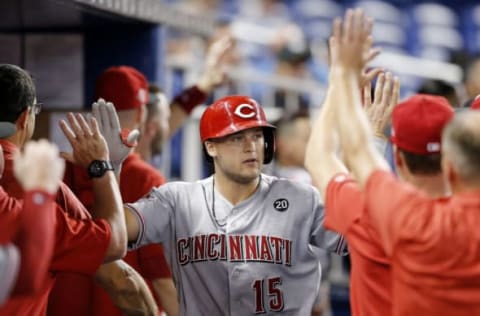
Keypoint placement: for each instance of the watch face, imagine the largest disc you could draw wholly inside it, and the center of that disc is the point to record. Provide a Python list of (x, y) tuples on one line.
[(97, 168)]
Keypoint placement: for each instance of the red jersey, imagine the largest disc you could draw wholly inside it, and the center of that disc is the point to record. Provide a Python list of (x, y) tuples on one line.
[(434, 247), (80, 244), (370, 275), (136, 180)]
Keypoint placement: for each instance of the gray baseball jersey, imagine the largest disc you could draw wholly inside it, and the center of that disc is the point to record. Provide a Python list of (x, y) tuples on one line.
[(256, 260), (9, 266)]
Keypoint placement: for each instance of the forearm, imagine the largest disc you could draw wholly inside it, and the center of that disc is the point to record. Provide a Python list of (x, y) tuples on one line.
[(35, 241), (183, 104), (108, 206), (321, 158), (126, 288), (167, 295), (355, 134)]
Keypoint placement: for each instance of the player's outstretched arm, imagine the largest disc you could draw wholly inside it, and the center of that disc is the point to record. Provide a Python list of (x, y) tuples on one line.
[(213, 75), (126, 288), (88, 145), (39, 170), (321, 158), (352, 46), (133, 225), (167, 295)]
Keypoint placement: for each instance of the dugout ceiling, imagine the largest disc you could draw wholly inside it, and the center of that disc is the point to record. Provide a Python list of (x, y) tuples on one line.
[(18, 15)]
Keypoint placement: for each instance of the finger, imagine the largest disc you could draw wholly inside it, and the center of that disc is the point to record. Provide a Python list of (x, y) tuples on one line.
[(394, 97), (332, 47), (396, 91), (113, 117), (366, 48), (367, 27), (67, 132), (225, 50), (379, 88), (133, 136), (358, 24), (337, 28), (347, 25), (94, 126), (96, 114), (104, 121), (74, 125), (372, 74), (367, 96), (372, 53), (387, 90), (127, 136), (83, 124)]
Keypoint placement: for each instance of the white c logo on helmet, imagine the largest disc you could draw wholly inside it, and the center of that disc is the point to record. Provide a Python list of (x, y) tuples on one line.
[(250, 112)]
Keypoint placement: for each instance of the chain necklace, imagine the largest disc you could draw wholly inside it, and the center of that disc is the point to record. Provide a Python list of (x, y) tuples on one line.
[(213, 207), (214, 215)]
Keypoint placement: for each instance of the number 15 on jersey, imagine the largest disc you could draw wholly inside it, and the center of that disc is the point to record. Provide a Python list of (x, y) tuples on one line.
[(268, 294)]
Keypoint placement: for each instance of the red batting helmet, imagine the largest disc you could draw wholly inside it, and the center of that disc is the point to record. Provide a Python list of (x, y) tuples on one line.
[(233, 114)]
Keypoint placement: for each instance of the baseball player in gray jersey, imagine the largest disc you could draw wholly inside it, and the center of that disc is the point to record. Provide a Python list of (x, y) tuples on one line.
[(239, 242)]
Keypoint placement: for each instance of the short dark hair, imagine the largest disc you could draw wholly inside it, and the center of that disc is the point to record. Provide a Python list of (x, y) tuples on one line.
[(436, 87), (288, 119), (17, 92), (418, 164)]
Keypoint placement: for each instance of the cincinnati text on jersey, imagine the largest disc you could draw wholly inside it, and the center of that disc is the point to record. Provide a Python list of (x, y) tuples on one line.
[(234, 248)]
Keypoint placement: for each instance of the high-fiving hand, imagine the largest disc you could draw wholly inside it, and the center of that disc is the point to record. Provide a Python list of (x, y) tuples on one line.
[(86, 140), (120, 142), (348, 39), (387, 91), (214, 73)]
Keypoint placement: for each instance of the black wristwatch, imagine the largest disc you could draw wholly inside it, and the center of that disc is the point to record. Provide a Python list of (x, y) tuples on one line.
[(97, 168)]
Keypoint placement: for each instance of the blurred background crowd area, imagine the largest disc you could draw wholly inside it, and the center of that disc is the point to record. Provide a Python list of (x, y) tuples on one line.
[(280, 56), (432, 46)]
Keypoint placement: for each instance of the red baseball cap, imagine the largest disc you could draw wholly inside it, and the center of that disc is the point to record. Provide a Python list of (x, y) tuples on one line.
[(476, 103), (124, 86), (418, 122)]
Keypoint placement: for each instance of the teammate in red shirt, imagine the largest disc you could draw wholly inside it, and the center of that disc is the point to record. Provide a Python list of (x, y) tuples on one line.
[(27, 240), (433, 244), (127, 88), (81, 245), (370, 285)]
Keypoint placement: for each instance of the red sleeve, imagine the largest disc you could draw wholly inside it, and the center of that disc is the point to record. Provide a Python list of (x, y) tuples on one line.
[(344, 204), (10, 210), (153, 263), (35, 240), (80, 244), (389, 203), (80, 186), (71, 204), (137, 179)]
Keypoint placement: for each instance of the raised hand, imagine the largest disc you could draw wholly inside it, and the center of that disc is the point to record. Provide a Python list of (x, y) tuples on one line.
[(120, 142), (214, 73), (86, 141), (387, 91), (39, 166), (351, 42)]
